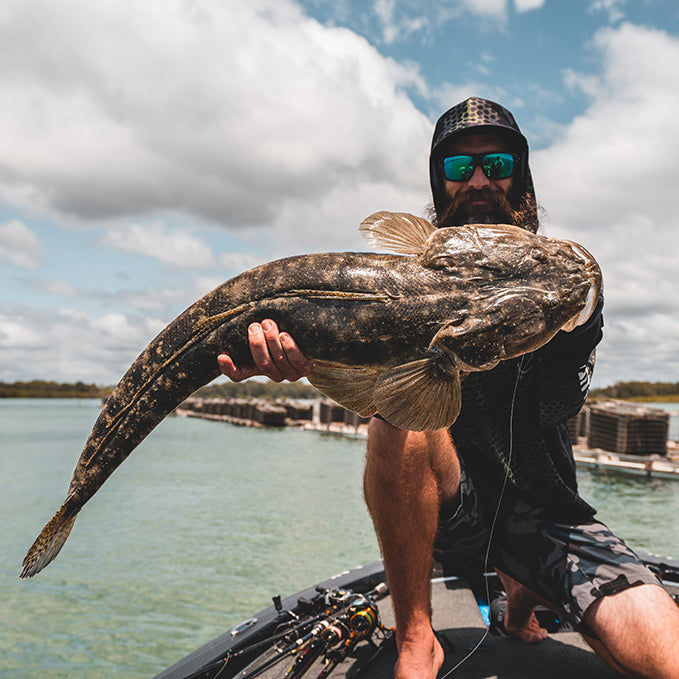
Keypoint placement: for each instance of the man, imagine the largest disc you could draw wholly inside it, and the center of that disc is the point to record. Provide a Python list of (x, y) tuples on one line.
[(498, 489)]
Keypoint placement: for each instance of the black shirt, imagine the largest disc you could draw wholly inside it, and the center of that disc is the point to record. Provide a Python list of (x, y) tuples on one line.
[(514, 416)]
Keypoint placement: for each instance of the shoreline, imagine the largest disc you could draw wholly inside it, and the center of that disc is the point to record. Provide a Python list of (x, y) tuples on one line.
[(326, 417)]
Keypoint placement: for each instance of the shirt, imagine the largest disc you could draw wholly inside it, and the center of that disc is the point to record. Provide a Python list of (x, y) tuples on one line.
[(513, 422)]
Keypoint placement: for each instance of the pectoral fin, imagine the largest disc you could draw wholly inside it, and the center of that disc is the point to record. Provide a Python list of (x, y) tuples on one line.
[(350, 387), (470, 343), (398, 232), (419, 396)]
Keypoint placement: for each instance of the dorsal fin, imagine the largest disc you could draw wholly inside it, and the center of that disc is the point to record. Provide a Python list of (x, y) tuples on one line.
[(398, 232)]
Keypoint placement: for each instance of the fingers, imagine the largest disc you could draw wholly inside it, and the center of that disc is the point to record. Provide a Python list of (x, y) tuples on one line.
[(298, 361), (232, 371), (275, 354)]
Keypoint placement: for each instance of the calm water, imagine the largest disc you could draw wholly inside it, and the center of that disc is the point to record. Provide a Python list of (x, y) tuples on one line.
[(196, 532)]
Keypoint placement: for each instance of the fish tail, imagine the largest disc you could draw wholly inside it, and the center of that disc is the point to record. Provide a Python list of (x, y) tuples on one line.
[(49, 543)]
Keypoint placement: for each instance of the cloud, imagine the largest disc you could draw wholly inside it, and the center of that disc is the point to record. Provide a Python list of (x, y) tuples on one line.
[(618, 157), (405, 18), (612, 7), (496, 8), (527, 5), (394, 29), (608, 182), (19, 245), (402, 20), (173, 247), (106, 344), (225, 110), (53, 287)]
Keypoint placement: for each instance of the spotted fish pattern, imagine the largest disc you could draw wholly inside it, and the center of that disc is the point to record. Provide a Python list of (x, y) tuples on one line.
[(388, 333)]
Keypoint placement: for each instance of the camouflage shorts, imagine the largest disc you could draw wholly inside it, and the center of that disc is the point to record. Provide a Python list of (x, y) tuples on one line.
[(569, 565)]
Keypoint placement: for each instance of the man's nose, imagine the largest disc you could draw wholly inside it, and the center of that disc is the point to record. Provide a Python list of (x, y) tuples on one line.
[(478, 179)]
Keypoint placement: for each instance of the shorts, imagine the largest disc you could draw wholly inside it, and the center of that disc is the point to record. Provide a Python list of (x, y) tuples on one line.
[(569, 565)]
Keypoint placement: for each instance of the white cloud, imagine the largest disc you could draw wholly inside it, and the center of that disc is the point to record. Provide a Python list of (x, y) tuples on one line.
[(221, 109), (527, 5), (176, 248), (405, 18), (492, 8), (106, 345), (59, 288), (608, 182), (586, 83), (19, 245), (619, 156), (405, 24), (612, 7), (238, 261)]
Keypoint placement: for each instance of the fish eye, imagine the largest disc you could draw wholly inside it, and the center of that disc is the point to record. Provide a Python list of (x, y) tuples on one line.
[(538, 254), (552, 300), (437, 261)]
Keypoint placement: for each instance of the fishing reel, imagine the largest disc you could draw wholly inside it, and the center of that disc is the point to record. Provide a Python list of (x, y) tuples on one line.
[(317, 635), (354, 613)]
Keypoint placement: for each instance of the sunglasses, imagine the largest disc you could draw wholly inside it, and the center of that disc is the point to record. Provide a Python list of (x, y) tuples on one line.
[(494, 166)]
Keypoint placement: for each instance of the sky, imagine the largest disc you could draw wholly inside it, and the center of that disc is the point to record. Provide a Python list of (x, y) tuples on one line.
[(151, 149)]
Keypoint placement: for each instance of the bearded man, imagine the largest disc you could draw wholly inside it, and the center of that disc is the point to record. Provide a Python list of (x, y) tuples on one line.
[(499, 488)]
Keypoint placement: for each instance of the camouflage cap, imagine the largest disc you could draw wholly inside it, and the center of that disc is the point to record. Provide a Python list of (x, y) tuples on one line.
[(474, 113)]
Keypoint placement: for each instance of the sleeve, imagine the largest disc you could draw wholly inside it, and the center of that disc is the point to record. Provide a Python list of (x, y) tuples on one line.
[(565, 366)]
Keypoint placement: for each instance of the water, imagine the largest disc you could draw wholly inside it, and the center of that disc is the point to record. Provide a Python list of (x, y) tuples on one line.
[(673, 410), (195, 532)]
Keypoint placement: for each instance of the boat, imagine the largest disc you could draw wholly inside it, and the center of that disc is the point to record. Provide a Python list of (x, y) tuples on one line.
[(343, 628)]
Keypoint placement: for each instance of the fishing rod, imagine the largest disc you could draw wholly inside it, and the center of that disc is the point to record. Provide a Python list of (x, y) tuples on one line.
[(321, 631)]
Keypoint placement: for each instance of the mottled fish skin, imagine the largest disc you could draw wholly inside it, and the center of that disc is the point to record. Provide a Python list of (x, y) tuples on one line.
[(461, 300)]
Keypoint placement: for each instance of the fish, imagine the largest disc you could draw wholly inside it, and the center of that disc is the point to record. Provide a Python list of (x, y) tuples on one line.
[(388, 332)]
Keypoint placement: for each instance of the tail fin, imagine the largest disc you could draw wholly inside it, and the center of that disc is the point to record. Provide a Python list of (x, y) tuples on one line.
[(49, 543)]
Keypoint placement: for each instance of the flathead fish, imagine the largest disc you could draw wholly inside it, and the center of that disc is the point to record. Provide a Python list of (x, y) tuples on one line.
[(389, 333)]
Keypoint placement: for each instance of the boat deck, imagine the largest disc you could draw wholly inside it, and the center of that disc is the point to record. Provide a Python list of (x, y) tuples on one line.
[(457, 618), (471, 652)]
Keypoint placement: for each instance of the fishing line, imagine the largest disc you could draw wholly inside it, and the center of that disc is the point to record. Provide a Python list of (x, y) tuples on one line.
[(495, 517)]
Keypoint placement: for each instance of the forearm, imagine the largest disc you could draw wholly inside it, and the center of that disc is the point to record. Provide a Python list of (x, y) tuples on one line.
[(565, 368)]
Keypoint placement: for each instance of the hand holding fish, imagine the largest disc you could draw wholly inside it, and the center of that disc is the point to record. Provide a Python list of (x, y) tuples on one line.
[(274, 354)]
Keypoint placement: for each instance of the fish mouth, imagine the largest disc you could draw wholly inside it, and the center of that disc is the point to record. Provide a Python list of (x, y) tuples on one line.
[(594, 275), (586, 311)]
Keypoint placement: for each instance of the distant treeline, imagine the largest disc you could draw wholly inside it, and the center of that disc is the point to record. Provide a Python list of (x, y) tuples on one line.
[(640, 391), (257, 389), (250, 388), (45, 389), (628, 391)]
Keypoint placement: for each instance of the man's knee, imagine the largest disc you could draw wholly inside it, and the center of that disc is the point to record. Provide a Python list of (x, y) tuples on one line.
[(639, 629), (398, 454)]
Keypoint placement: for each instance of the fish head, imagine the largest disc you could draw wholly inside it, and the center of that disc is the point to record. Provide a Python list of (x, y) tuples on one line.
[(523, 288)]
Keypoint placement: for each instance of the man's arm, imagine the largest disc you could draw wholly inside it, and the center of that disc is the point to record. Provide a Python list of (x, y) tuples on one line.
[(565, 369), (274, 354)]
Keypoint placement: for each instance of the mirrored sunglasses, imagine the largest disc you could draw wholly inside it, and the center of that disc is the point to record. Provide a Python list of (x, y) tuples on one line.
[(493, 165)]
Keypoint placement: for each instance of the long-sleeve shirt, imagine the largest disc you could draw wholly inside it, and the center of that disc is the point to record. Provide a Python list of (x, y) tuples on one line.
[(513, 422)]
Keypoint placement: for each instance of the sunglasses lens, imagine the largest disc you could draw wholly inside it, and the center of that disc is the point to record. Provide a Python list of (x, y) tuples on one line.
[(458, 168), (494, 165), (498, 165)]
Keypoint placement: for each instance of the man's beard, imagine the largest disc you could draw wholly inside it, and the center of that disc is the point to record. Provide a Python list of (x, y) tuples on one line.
[(497, 209)]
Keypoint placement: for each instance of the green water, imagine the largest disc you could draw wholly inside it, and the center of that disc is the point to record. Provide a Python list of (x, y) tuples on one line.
[(196, 532)]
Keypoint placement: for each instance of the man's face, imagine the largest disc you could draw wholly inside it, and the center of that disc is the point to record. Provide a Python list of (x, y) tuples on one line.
[(479, 199)]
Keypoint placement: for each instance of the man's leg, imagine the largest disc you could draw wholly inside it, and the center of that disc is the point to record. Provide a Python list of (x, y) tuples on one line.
[(407, 477), (520, 619), (638, 631)]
